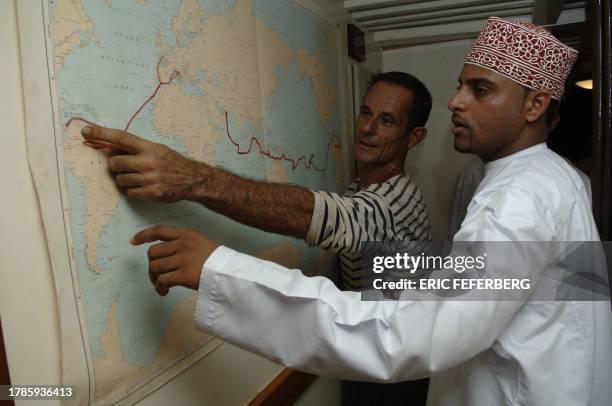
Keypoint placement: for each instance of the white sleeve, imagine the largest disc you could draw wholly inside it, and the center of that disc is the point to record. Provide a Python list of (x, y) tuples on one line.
[(308, 324)]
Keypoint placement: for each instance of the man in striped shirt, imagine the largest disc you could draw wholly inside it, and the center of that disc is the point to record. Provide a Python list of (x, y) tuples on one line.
[(383, 204)]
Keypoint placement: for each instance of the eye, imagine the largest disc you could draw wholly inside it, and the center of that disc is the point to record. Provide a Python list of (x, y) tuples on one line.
[(364, 113), (480, 91)]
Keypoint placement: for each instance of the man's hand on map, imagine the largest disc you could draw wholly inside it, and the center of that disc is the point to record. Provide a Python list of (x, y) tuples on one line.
[(144, 169), (178, 259)]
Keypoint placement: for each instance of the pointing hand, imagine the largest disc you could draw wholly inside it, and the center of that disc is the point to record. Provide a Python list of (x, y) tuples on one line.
[(178, 259), (145, 169)]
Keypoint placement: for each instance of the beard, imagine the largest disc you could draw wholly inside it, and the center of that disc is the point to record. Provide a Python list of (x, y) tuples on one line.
[(463, 144)]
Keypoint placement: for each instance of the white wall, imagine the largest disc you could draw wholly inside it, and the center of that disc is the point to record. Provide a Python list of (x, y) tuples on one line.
[(27, 297), (434, 164)]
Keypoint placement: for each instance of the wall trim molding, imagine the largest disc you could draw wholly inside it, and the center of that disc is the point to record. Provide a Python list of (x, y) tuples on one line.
[(284, 390)]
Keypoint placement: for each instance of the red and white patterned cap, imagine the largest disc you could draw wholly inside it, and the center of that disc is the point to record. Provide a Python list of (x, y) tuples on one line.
[(525, 53)]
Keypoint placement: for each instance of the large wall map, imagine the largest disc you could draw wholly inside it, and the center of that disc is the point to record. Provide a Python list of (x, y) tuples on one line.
[(247, 85)]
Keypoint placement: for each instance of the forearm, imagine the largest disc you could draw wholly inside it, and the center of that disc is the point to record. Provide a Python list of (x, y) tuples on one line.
[(278, 208)]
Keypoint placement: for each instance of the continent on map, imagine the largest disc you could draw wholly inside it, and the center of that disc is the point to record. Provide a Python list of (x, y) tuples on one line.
[(141, 2), (277, 172), (216, 55), (337, 153), (101, 194), (285, 254), (69, 27), (316, 67), (111, 369), (188, 117), (273, 53)]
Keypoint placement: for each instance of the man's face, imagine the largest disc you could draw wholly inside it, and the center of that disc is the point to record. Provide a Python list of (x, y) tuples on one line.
[(382, 123), (488, 115)]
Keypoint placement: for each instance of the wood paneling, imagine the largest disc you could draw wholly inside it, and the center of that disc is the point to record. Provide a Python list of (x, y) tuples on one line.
[(284, 389), (4, 373), (601, 176)]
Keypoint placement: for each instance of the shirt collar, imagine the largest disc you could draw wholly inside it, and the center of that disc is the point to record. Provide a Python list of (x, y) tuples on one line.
[(501, 162)]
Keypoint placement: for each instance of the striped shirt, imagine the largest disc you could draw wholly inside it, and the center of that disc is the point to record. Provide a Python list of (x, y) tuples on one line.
[(390, 211)]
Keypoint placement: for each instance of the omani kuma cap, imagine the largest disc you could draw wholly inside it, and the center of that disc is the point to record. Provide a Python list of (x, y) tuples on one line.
[(525, 53)]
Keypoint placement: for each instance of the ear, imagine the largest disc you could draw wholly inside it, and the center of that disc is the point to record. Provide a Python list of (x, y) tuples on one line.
[(536, 104), (416, 136)]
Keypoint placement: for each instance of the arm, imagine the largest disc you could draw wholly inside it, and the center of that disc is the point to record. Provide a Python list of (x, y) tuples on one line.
[(279, 208), (150, 171), (319, 329), (392, 210)]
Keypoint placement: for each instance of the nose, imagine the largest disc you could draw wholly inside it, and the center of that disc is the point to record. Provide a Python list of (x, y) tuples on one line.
[(456, 102), (368, 125)]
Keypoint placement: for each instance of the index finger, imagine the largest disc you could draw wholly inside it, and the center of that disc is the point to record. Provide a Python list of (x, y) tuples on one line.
[(160, 232), (117, 138)]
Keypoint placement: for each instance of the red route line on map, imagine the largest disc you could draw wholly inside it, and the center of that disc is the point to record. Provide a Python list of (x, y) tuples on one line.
[(308, 163), (160, 83)]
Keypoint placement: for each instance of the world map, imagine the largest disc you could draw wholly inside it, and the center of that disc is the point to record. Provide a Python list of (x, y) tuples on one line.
[(250, 86)]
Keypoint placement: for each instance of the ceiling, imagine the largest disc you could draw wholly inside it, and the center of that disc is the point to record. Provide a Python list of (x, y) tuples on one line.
[(400, 23)]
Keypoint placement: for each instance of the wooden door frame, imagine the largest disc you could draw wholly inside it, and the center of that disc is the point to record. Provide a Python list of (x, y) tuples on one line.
[(601, 175), (5, 378), (4, 372), (284, 390)]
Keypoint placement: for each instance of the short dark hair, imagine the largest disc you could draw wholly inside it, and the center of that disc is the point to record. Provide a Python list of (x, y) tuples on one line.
[(421, 105), (551, 112)]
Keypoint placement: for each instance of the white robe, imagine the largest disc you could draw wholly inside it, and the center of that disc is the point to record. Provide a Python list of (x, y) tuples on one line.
[(477, 353)]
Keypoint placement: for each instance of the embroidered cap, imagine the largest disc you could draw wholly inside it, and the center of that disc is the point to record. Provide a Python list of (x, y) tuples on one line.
[(525, 53)]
